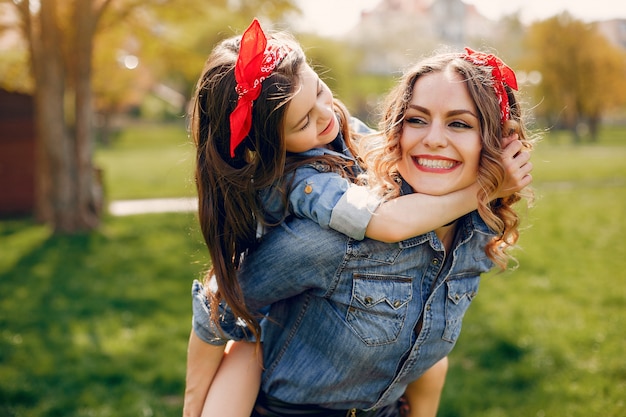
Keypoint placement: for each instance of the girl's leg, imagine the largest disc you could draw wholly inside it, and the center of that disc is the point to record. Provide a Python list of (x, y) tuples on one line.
[(424, 394), (203, 360), (235, 387)]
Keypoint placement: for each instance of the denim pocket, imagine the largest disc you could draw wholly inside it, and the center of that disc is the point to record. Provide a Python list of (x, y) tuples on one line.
[(378, 307), (461, 292)]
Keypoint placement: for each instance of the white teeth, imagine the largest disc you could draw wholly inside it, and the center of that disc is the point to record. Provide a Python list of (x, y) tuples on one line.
[(435, 163)]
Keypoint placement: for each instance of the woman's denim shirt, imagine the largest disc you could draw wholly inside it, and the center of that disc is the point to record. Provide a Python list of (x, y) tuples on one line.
[(351, 323), (327, 198)]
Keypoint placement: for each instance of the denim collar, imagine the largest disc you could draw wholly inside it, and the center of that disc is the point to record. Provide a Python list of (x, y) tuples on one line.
[(467, 224), (336, 148)]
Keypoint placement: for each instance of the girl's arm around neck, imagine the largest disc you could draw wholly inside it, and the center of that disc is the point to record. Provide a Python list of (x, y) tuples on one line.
[(415, 214)]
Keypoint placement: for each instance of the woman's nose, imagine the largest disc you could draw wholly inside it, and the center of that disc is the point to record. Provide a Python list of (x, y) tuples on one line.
[(436, 136)]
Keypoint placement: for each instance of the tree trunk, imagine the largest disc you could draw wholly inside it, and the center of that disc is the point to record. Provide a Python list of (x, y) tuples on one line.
[(56, 193), (67, 195), (89, 200), (105, 126)]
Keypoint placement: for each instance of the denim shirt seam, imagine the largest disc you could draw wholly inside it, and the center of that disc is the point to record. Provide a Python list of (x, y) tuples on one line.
[(289, 339), (339, 271)]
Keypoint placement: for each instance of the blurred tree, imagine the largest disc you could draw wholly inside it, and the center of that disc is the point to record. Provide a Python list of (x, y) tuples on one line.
[(507, 40), (582, 73), (61, 36), (60, 64)]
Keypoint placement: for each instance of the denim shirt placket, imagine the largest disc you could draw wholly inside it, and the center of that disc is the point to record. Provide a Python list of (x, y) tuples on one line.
[(438, 271), (433, 273)]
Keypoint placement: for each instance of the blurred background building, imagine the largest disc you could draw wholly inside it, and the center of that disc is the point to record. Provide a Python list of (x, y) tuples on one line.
[(394, 32)]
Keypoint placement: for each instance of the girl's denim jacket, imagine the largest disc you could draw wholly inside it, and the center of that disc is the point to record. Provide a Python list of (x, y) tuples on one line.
[(350, 322), (327, 198)]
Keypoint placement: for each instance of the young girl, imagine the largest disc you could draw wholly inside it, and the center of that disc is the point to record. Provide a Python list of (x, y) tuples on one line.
[(280, 153)]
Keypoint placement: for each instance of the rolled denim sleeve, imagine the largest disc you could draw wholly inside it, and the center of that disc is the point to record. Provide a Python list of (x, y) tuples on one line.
[(353, 212), (230, 328), (332, 201)]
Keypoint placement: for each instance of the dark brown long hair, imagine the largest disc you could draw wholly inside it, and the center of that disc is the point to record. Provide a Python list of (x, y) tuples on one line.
[(228, 187)]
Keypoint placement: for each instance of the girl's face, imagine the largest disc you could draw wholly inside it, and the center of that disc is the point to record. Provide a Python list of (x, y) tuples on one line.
[(440, 141), (310, 120)]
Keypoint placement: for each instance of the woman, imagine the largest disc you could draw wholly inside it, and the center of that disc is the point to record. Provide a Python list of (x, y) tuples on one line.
[(351, 322)]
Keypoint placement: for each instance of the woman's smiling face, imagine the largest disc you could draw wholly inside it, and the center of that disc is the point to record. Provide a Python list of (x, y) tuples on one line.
[(441, 138)]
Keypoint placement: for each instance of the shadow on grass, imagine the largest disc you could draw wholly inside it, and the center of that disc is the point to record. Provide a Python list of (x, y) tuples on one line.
[(97, 324), (473, 387)]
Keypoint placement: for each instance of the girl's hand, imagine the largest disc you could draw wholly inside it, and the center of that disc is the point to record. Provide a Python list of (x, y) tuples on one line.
[(517, 166)]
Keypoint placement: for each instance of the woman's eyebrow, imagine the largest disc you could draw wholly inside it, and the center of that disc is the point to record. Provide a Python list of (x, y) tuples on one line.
[(451, 112), (419, 108), (462, 111)]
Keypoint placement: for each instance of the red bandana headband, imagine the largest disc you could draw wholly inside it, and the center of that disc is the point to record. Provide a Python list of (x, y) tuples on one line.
[(256, 61), (501, 73)]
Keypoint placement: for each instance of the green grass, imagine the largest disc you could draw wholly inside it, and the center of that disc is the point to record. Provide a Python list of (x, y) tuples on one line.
[(97, 324), (148, 161), (548, 338)]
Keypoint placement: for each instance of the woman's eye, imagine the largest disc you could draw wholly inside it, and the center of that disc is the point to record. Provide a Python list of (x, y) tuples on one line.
[(415, 120), (460, 125), (306, 124)]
